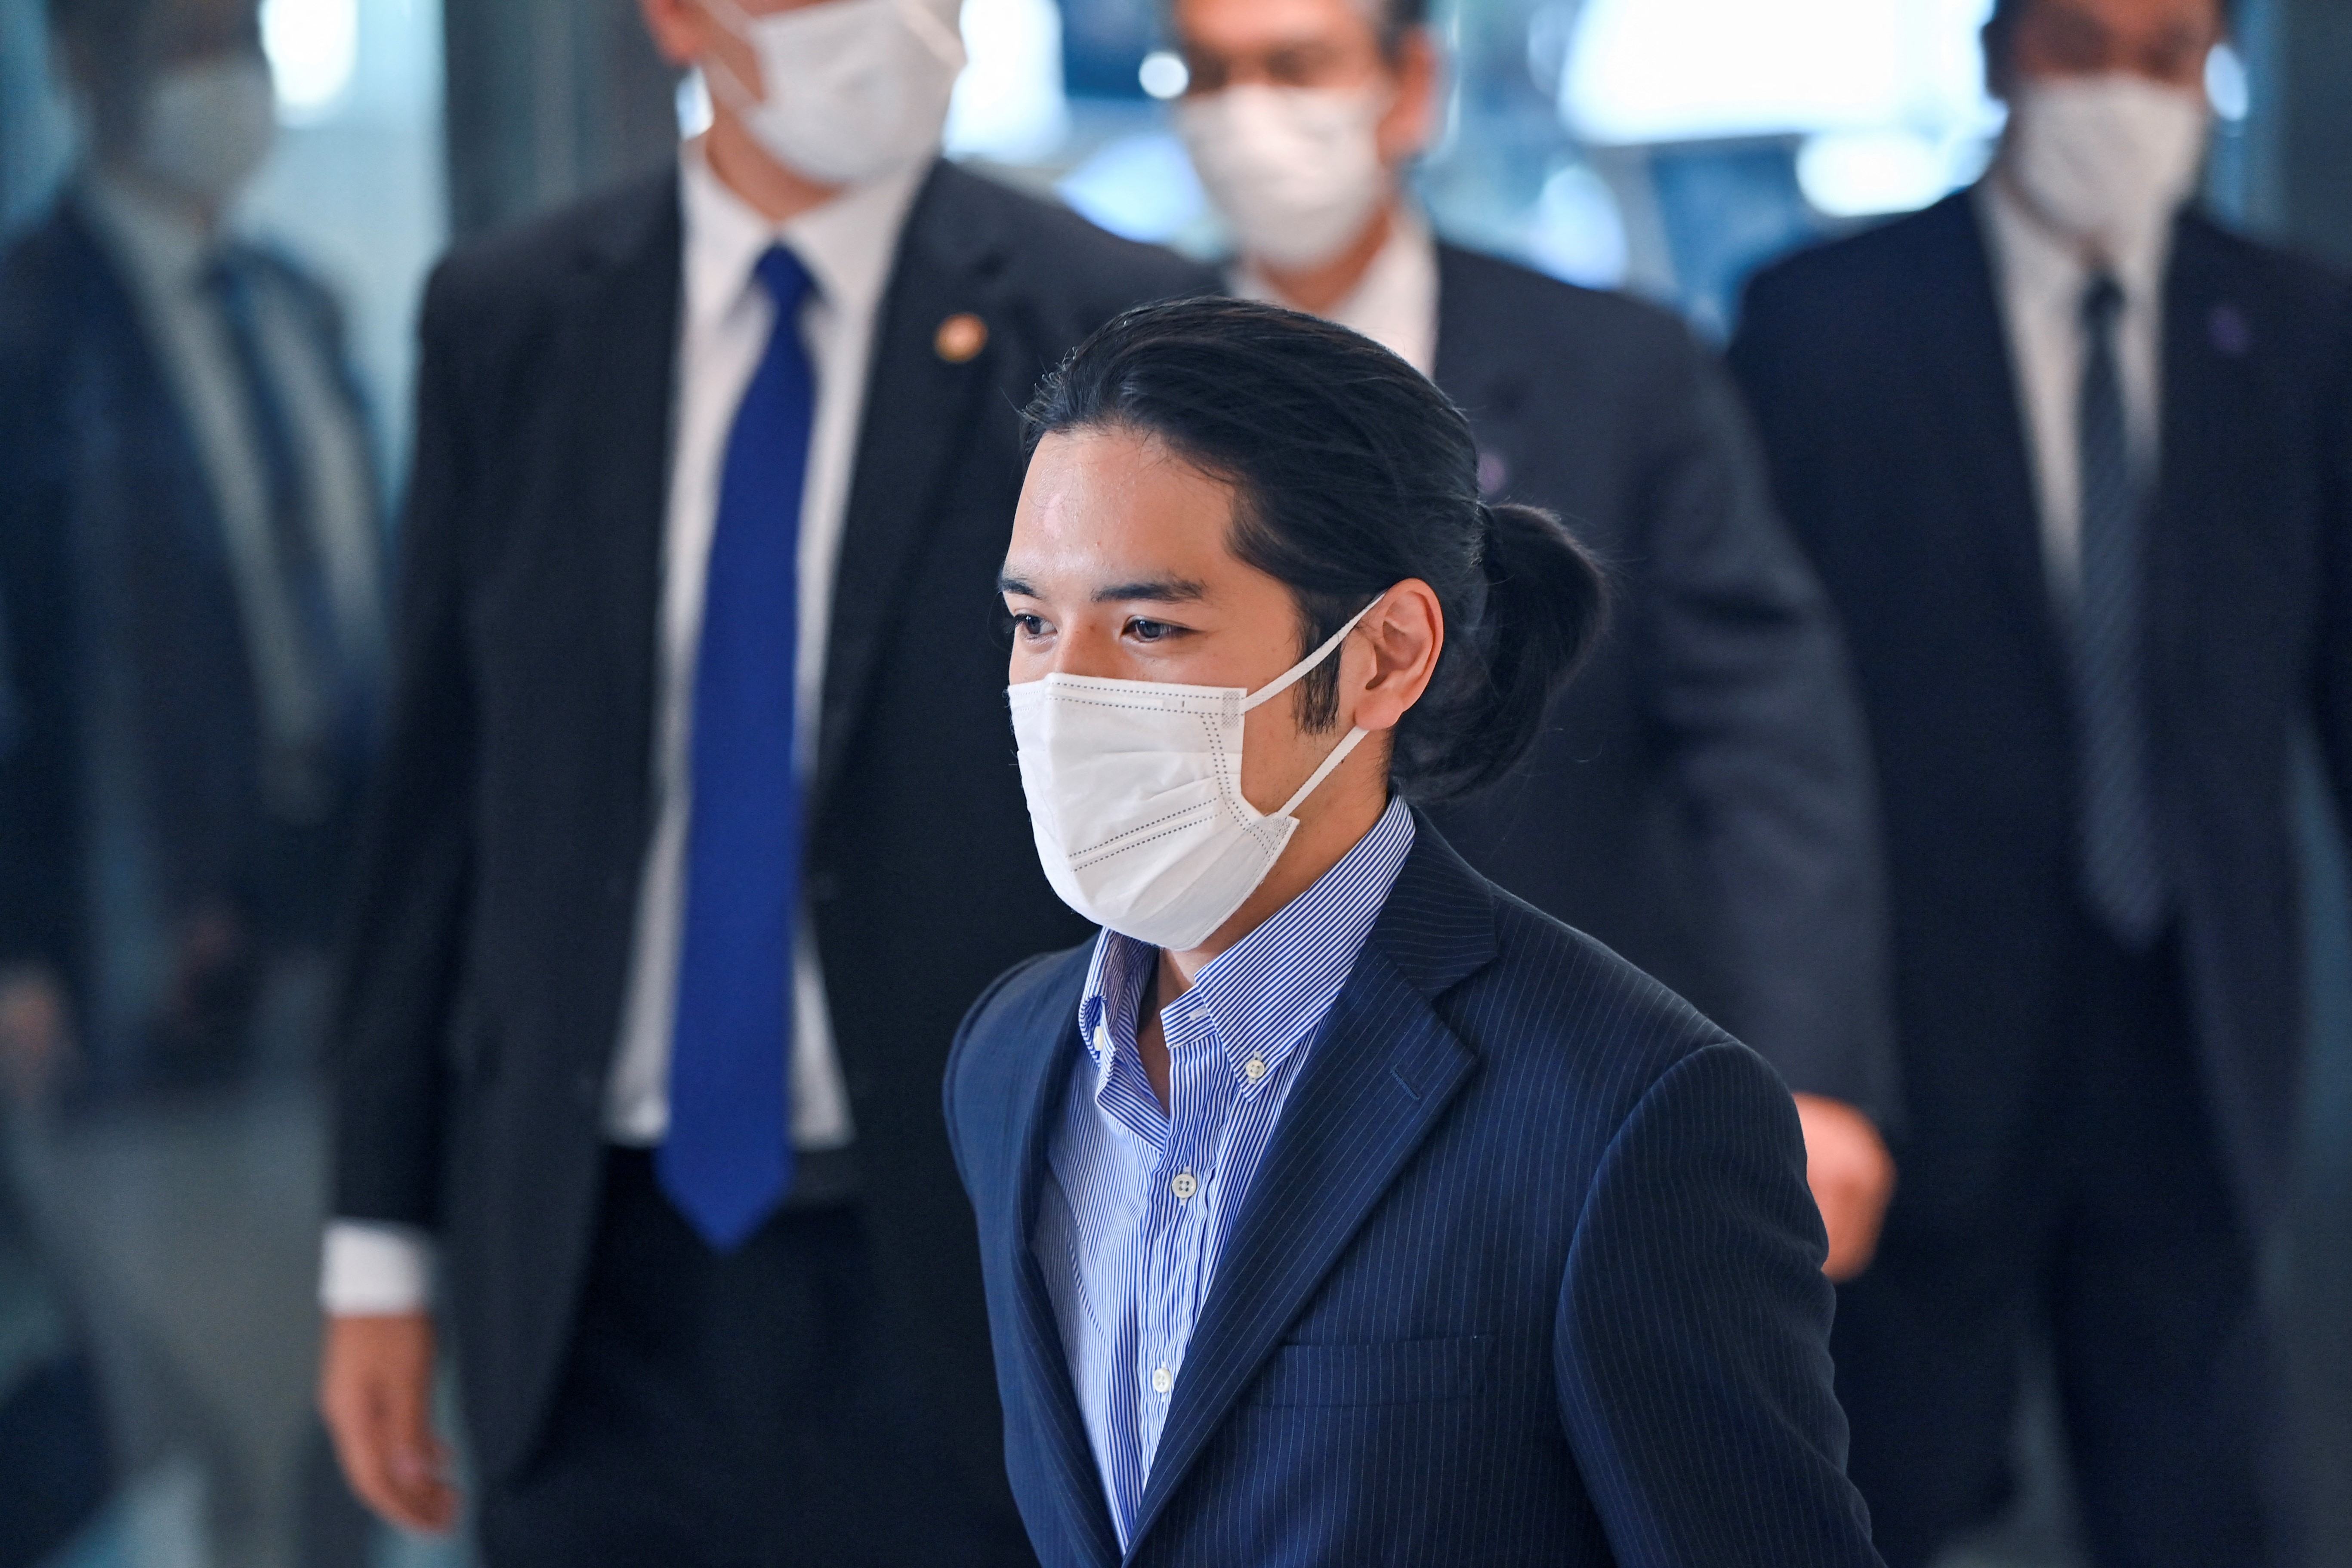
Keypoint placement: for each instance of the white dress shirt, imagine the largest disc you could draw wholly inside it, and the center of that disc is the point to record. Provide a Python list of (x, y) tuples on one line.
[(847, 246), (1394, 303), (2041, 280)]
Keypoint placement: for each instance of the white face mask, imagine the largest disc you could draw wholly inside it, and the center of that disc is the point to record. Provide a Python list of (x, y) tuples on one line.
[(1297, 171), (207, 126), (2105, 160), (1135, 797), (855, 88)]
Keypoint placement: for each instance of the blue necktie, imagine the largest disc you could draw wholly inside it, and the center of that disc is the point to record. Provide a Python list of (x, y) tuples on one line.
[(726, 1161), (2121, 867)]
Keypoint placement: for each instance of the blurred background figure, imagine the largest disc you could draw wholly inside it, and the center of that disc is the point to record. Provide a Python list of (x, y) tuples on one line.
[(1701, 800), (190, 550), (2076, 465)]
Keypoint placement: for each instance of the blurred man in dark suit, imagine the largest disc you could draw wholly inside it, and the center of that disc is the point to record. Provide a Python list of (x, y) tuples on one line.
[(190, 555), (191, 599), (1701, 800), (699, 830), (2073, 462)]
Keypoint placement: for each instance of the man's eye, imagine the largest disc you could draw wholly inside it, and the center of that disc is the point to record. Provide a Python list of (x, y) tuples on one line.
[(1149, 631), (1029, 626)]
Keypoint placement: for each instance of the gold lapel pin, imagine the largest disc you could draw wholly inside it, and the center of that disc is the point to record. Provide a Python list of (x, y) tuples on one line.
[(960, 338)]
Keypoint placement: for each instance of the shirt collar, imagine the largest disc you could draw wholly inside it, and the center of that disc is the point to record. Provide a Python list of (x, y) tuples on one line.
[(1395, 302), (168, 250), (1263, 996), (847, 244), (2043, 268)]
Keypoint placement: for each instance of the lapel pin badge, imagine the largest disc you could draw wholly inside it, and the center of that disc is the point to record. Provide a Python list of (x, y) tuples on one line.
[(960, 338), (2230, 330)]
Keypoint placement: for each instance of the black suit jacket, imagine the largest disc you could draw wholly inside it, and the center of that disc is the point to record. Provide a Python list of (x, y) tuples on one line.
[(1881, 376), (1528, 1274), (114, 567), (501, 872), (1701, 800)]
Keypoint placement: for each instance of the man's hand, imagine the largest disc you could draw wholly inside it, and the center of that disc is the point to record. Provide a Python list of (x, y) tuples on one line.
[(1853, 1178), (375, 1389), (36, 1032)]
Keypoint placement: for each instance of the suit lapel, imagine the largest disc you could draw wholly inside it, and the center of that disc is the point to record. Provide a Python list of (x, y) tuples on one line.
[(1483, 376), (1999, 507), (2212, 475), (1067, 1454), (918, 408), (1382, 1073), (622, 370)]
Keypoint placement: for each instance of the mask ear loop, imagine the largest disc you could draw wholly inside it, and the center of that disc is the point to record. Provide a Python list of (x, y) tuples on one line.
[(1291, 677), (1298, 672), (717, 74)]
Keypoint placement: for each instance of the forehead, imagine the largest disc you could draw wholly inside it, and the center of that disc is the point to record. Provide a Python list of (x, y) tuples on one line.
[(1244, 23), (1115, 500), (2133, 17)]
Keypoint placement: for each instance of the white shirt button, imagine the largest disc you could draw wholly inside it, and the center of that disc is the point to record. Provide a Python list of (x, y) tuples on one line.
[(1183, 1187), (1256, 1069), (1162, 1380)]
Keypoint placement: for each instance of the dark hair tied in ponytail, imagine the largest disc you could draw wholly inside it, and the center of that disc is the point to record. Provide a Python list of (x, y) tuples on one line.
[(1352, 473)]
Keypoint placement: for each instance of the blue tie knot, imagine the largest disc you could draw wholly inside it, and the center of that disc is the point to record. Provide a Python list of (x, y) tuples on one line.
[(786, 280)]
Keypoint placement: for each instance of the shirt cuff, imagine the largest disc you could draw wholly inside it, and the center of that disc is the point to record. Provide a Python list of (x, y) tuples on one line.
[(373, 1269)]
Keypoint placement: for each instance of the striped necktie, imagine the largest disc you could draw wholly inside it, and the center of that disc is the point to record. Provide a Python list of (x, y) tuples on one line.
[(727, 1160), (2123, 871)]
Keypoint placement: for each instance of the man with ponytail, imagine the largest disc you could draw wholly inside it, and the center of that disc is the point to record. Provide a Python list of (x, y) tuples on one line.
[(1336, 1206)]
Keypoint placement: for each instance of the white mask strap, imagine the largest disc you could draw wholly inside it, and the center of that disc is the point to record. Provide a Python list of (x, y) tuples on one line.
[(1298, 672), (1338, 754)]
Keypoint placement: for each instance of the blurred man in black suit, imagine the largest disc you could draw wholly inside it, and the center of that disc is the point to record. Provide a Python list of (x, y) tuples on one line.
[(191, 641), (1701, 800), (699, 830), (2073, 462)]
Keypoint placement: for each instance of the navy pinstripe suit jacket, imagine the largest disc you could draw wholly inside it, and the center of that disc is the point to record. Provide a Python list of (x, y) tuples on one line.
[(1529, 1273)]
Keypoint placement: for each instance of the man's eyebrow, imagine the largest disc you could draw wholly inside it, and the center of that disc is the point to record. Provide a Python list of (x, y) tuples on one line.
[(1008, 583), (1158, 589)]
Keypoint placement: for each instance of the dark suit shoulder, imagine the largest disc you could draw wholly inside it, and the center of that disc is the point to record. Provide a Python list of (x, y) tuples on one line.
[(40, 273), (1052, 250), (1893, 253), (1516, 313), (1615, 1021), (516, 266)]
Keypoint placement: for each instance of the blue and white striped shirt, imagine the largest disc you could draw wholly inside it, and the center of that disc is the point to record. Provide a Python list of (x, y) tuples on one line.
[(1142, 1201)]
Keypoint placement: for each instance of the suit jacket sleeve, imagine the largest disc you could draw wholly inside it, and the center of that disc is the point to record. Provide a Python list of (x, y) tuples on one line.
[(408, 910), (37, 826), (1764, 729), (2334, 676), (1692, 1337)]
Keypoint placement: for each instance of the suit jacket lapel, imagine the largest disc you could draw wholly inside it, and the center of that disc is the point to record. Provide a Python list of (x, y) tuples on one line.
[(2000, 505), (623, 368), (1482, 374), (1382, 1073), (2209, 466), (1067, 1455), (919, 406)]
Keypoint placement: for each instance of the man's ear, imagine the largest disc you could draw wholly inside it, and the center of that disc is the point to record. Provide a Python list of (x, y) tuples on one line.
[(1405, 633), (1410, 123), (680, 28)]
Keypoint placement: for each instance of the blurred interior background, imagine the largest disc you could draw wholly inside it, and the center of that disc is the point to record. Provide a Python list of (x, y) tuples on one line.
[(1665, 146)]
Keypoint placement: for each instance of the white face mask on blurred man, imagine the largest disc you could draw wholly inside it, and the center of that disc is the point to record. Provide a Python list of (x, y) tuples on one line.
[(206, 125), (2105, 160), (852, 89), (1296, 171)]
